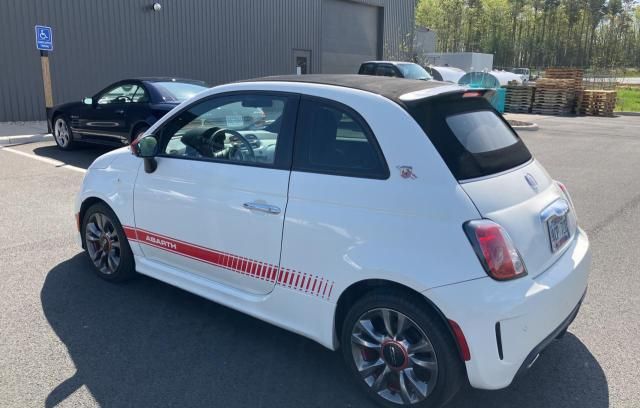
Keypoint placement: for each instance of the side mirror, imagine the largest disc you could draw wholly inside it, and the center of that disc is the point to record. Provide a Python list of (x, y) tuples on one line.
[(147, 148), (88, 101)]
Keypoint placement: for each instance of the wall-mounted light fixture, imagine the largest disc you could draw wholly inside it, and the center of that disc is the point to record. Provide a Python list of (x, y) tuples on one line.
[(157, 6)]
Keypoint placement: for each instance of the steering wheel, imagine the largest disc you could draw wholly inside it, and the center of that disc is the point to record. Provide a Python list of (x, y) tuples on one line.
[(122, 99), (235, 152)]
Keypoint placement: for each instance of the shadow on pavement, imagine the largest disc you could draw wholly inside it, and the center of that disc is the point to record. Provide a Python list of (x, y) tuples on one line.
[(81, 156), (146, 343), (566, 375)]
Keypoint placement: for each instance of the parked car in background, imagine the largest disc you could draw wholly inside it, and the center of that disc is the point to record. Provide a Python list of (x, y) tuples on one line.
[(408, 70), (524, 73), (402, 221), (120, 112), (445, 74)]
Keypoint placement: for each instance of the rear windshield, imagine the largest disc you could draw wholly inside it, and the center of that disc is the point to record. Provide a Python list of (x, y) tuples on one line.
[(472, 138), (481, 131), (177, 91)]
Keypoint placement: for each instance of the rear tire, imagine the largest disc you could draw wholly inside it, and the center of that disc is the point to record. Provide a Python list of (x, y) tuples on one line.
[(106, 245), (62, 133), (399, 352)]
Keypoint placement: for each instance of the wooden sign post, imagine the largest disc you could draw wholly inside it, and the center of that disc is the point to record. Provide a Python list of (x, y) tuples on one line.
[(46, 79), (44, 43)]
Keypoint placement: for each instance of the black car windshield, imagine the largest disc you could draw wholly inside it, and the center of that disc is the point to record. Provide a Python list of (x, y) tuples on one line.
[(414, 71), (177, 91)]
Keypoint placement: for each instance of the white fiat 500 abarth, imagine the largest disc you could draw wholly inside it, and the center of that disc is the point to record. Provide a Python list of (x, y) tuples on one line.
[(401, 221)]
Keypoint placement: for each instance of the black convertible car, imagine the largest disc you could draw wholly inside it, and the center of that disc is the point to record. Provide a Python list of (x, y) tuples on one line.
[(119, 113)]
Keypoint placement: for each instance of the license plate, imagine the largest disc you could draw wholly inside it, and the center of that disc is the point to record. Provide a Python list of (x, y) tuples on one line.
[(559, 234)]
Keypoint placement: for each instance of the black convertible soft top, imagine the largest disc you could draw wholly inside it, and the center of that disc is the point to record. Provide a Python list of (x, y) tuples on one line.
[(391, 88), (431, 114)]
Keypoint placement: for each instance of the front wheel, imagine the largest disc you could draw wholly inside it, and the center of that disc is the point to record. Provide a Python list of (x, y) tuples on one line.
[(400, 353), (106, 245), (62, 134)]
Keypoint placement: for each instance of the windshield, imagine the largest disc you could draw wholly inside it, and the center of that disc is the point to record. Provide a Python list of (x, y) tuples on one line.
[(177, 91), (413, 71)]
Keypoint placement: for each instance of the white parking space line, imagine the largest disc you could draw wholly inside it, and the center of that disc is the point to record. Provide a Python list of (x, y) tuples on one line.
[(54, 162)]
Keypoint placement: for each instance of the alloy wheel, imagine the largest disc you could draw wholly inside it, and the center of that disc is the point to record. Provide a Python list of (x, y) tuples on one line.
[(103, 243), (394, 356), (61, 133)]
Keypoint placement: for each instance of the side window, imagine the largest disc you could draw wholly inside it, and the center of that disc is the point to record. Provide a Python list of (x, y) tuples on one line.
[(386, 70), (120, 94), (238, 128), (333, 139), (140, 96), (367, 69)]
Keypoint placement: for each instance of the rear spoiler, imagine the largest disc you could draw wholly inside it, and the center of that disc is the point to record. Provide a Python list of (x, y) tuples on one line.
[(448, 91)]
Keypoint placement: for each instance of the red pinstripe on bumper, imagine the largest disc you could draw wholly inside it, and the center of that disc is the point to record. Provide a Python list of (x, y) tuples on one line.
[(285, 277)]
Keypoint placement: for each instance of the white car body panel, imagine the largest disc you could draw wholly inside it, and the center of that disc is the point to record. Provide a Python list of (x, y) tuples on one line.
[(528, 309), (193, 201), (111, 178), (519, 211), (335, 231)]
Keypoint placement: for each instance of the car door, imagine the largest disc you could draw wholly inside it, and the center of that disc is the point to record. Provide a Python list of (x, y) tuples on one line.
[(214, 207), (105, 120), (339, 203)]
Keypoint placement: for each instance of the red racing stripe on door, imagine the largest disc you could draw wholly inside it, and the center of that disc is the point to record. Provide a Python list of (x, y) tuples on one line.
[(290, 278), (130, 233)]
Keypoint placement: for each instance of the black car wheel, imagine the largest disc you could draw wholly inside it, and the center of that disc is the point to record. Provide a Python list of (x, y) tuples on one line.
[(62, 133), (399, 352)]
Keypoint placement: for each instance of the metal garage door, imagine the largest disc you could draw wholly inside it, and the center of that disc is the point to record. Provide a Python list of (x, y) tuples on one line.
[(351, 34)]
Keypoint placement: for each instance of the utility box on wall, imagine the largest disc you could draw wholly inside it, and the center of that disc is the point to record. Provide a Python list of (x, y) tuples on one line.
[(424, 41)]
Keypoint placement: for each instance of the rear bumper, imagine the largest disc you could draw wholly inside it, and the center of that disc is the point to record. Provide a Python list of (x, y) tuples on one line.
[(556, 334), (506, 324)]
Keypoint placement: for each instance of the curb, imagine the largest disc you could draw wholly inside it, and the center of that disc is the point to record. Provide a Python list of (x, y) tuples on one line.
[(11, 140), (626, 113), (531, 127)]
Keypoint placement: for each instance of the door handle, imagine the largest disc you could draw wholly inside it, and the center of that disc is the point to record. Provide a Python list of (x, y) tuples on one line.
[(270, 209), (119, 111)]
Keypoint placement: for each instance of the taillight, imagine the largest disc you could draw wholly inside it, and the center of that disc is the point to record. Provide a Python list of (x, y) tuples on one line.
[(494, 248), (471, 94)]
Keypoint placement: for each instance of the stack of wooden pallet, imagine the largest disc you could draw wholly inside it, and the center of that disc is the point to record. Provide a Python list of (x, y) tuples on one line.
[(598, 102), (573, 74), (554, 96), (518, 98)]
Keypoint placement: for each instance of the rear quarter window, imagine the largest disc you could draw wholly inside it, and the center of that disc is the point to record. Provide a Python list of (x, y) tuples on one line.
[(471, 137), (333, 139)]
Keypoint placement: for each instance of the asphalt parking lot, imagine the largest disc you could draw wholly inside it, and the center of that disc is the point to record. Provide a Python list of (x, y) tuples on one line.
[(69, 339)]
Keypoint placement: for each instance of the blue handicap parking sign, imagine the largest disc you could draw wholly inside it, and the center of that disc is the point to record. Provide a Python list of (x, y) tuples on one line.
[(44, 38)]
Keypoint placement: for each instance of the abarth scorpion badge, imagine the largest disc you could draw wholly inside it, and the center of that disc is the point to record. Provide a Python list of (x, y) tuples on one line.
[(406, 172)]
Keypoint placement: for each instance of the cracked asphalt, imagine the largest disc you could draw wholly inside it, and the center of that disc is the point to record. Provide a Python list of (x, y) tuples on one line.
[(70, 339)]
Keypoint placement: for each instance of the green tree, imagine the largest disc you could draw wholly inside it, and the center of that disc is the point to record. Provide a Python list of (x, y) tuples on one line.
[(538, 33)]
